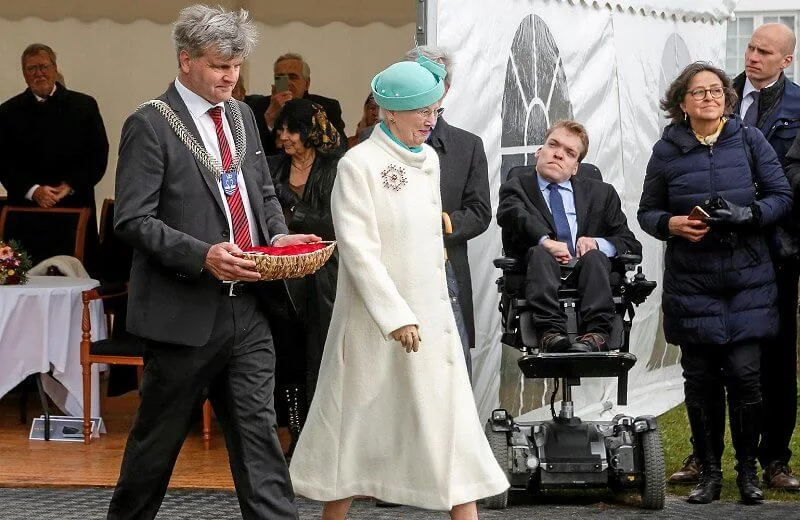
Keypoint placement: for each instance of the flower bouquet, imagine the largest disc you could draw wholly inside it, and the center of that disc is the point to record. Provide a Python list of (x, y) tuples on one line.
[(14, 264)]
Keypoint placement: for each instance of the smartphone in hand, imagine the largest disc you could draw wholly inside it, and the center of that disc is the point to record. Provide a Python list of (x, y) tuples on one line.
[(698, 213), (281, 83)]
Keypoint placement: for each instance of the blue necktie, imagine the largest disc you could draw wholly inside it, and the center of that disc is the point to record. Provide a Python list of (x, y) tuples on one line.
[(563, 233), (751, 116)]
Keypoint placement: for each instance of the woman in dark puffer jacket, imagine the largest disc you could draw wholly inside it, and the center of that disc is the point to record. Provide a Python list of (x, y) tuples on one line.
[(719, 297)]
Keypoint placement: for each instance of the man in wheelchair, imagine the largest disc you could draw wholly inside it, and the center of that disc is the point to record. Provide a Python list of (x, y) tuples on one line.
[(566, 228), (573, 235)]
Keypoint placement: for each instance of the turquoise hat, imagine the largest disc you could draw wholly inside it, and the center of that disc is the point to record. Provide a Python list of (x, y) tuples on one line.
[(409, 85)]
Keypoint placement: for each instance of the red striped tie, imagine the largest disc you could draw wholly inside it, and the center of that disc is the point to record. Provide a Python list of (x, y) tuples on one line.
[(241, 228)]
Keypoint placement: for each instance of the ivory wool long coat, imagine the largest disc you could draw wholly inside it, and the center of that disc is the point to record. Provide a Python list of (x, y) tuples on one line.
[(399, 427)]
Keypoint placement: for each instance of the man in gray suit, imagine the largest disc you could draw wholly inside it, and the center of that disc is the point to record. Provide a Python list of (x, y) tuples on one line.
[(193, 191)]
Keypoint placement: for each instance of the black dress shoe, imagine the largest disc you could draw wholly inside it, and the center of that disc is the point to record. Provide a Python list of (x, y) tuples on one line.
[(590, 342), (555, 342)]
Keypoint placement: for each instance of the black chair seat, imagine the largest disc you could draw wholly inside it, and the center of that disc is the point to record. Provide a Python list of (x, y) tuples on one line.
[(127, 346), (576, 365)]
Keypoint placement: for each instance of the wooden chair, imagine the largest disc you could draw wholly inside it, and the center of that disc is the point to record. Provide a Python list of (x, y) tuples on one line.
[(121, 348), (46, 232)]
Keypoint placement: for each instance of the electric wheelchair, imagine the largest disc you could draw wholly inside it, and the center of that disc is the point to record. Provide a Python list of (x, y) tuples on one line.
[(565, 452)]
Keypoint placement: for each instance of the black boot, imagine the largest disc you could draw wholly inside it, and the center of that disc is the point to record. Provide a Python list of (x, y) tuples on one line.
[(745, 429), (296, 406), (705, 450)]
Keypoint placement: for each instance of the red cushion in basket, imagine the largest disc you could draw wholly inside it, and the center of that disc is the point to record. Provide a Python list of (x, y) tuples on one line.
[(288, 250)]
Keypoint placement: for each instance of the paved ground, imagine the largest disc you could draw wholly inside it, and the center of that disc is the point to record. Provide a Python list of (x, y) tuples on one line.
[(91, 503)]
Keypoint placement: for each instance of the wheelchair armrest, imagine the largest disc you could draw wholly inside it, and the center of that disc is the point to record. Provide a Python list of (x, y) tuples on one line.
[(507, 263), (626, 261)]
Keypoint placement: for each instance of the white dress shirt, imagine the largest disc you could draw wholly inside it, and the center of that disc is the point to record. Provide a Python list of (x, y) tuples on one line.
[(747, 99), (198, 108)]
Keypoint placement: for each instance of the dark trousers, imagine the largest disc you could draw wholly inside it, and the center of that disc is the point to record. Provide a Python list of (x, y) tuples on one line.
[(458, 314), (779, 370), (237, 367), (711, 370), (590, 277)]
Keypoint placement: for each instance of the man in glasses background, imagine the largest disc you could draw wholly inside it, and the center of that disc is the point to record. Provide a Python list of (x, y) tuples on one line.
[(292, 81), (55, 147), (769, 101)]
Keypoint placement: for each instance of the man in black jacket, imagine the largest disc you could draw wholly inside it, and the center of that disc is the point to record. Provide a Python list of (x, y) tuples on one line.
[(59, 141), (464, 183), (771, 102), (556, 219), (266, 108)]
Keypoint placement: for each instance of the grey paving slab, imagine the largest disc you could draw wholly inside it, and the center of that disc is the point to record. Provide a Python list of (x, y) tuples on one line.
[(91, 503)]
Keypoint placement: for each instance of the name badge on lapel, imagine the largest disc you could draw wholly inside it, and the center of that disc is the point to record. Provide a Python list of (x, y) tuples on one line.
[(228, 180)]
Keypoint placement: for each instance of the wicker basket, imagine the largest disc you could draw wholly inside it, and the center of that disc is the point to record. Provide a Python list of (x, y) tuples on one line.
[(280, 267)]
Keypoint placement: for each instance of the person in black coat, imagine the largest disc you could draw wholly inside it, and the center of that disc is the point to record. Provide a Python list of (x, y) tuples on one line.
[(60, 142), (303, 177), (466, 205), (719, 298), (555, 219), (267, 108)]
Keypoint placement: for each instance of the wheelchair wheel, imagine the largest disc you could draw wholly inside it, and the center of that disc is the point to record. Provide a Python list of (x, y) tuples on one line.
[(498, 441), (653, 487)]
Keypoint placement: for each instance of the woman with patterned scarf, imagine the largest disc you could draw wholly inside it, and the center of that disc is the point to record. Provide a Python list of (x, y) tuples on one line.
[(303, 177)]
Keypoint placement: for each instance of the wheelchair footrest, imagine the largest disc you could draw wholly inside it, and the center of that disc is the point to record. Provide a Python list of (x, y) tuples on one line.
[(575, 365)]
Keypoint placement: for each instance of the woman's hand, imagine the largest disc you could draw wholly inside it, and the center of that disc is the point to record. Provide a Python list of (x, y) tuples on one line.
[(692, 230), (408, 336)]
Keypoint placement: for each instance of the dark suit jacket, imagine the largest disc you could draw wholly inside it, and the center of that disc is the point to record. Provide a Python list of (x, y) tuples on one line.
[(168, 207), (62, 139), (260, 103), (59, 140), (464, 184), (525, 218)]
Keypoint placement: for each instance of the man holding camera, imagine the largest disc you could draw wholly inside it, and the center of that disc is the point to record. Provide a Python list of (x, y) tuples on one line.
[(292, 81)]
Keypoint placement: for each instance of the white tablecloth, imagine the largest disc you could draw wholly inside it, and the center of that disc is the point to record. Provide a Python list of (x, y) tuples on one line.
[(40, 330)]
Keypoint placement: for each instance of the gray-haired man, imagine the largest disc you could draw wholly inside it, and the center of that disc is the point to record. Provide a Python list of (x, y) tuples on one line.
[(193, 191), (297, 72)]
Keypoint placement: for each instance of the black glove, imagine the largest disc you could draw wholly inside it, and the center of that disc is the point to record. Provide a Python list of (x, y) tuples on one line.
[(286, 196), (725, 215)]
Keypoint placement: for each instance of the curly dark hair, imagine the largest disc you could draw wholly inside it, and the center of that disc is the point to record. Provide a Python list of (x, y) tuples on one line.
[(677, 90), (310, 121)]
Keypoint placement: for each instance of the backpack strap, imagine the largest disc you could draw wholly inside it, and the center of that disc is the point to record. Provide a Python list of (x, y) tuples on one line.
[(749, 152)]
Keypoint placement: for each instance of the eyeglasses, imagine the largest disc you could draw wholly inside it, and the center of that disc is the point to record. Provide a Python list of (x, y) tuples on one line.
[(30, 69), (427, 112), (699, 94)]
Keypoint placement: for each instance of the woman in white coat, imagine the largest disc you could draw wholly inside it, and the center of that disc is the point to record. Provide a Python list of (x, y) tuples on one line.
[(393, 416)]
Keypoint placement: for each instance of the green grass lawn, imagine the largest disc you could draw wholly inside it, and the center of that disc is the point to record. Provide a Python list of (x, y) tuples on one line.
[(675, 435)]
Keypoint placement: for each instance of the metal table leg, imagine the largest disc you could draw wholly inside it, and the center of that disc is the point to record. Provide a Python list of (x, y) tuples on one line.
[(43, 399)]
